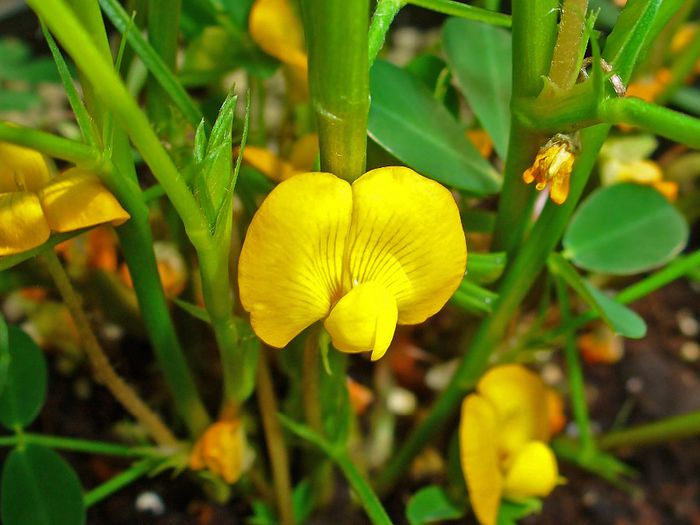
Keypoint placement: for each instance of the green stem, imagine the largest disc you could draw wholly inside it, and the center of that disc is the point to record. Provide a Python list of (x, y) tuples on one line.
[(80, 445), (452, 8), (120, 481), (51, 145), (277, 450), (577, 385), (310, 380), (650, 117), (675, 427), (382, 18), (336, 36), (567, 51), (534, 32)]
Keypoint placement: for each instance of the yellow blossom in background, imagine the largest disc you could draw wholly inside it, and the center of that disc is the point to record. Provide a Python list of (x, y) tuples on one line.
[(624, 159), (649, 87), (172, 269), (32, 203), (503, 435), (553, 166), (276, 28), (387, 249), (600, 345), (480, 138), (222, 450), (300, 160)]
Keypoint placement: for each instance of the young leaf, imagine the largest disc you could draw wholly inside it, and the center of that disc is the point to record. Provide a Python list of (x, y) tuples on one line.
[(407, 121), (40, 488), (431, 505), (473, 298), (625, 229), (335, 399), (510, 511), (25, 389), (481, 60), (484, 268)]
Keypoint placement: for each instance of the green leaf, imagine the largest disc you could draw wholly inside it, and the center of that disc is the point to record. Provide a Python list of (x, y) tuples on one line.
[(431, 505), (431, 70), (40, 488), (473, 298), (248, 352), (481, 58), (5, 358), (334, 398), (624, 321), (407, 121), (25, 390), (18, 100), (510, 511), (303, 500), (485, 267), (625, 229)]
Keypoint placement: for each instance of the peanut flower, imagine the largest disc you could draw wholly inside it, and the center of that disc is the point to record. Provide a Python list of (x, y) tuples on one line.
[(387, 249), (503, 438), (301, 158), (32, 203), (553, 165), (222, 450)]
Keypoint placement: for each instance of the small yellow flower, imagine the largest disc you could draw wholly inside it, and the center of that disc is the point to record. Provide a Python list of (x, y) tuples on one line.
[(300, 160), (222, 450), (387, 249), (275, 27), (503, 437), (553, 165), (32, 203)]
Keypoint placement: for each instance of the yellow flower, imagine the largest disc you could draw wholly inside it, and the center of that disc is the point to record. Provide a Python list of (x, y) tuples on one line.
[(553, 164), (387, 249), (222, 450), (503, 433), (32, 204), (301, 158), (276, 28)]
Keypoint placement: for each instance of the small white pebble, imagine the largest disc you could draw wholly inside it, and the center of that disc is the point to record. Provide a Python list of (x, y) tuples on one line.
[(687, 324), (634, 385), (440, 375), (111, 331), (150, 502), (401, 402), (690, 351), (82, 388), (552, 374), (590, 498)]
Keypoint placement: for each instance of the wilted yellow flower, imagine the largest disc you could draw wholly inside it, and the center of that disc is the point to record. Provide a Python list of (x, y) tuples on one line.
[(503, 437), (301, 158), (387, 249), (649, 87), (223, 450), (276, 28), (481, 139), (32, 203), (553, 165), (601, 345)]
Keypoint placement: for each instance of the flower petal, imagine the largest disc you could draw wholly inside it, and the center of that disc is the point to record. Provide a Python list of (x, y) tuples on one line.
[(77, 199), (534, 472), (268, 163), (289, 273), (22, 223), (479, 457), (406, 234), (519, 397), (276, 28), (364, 319), (21, 169)]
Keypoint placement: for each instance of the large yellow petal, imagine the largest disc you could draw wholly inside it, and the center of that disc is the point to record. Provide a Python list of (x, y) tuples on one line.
[(479, 457), (519, 397), (289, 273), (276, 28), (77, 199), (406, 234), (534, 472), (21, 169), (22, 223), (364, 319)]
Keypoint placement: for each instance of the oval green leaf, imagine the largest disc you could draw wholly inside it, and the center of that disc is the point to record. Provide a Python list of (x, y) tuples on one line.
[(623, 320), (625, 229), (431, 505), (25, 387), (480, 57), (40, 488), (407, 121)]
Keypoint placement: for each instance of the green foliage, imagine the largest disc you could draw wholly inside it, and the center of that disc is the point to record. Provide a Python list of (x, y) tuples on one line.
[(511, 511), (5, 358), (625, 229), (303, 500), (407, 121), (40, 488), (25, 388), (481, 60), (431, 505)]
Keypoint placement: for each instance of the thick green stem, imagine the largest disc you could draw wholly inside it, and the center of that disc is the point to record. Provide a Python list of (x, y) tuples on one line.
[(534, 31), (567, 52), (310, 380), (277, 450), (336, 36), (452, 8), (381, 22), (120, 481), (676, 427), (80, 445), (51, 145), (650, 117)]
